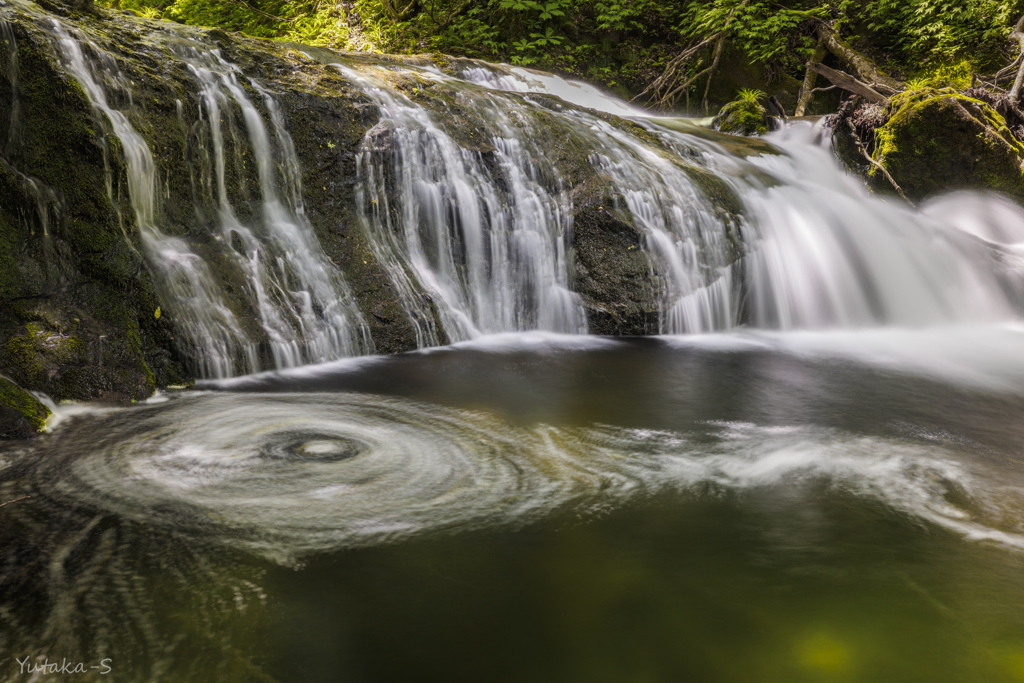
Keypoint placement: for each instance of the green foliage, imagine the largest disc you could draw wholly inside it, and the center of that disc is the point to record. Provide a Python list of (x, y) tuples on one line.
[(324, 26), (956, 76), (936, 31), (630, 42), (752, 97), (544, 10), (744, 115), (311, 21), (761, 27), (621, 15)]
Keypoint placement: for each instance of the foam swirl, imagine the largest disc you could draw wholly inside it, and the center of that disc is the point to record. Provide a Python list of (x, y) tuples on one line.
[(288, 475), (293, 474)]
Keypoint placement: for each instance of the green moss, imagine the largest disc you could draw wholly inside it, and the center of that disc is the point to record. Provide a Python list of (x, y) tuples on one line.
[(17, 399), (22, 360), (742, 117), (937, 140)]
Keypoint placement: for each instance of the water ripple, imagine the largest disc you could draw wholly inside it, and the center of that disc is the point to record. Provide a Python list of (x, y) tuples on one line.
[(288, 475)]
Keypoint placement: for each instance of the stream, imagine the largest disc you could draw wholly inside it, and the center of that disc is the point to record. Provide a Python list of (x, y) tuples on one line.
[(811, 470)]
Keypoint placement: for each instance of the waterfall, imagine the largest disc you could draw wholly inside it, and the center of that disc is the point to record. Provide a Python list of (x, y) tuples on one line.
[(820, 251), (467, 188), (484, 230), (185, 279), (304, 308), (304, 304)]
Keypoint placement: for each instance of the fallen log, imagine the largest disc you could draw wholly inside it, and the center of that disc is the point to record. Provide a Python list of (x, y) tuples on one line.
[(847, 82), (861, 65)]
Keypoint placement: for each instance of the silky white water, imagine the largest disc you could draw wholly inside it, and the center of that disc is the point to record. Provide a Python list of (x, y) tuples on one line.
[(305, 310), (471, 215)]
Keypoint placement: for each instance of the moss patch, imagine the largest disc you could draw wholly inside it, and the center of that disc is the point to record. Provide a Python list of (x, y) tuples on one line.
[(20, 413), (742, 117), (939, 140)]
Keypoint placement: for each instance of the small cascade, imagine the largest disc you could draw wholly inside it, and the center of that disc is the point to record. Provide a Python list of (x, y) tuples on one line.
[(304, 309), (691, 244), (11, 75), (820, 252), (211, 327), (484, 230), (826, 254)]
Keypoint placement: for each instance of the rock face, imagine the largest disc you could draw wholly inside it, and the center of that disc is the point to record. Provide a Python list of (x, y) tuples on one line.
[(935, 140), (76, 302), (613, 273), (21, 415)]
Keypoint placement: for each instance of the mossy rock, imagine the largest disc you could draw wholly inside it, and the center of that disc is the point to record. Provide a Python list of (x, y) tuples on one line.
[(742, 117), (939, 140), (21, 415)]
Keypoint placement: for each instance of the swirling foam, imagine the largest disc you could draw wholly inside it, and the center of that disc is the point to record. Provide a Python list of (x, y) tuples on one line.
[(289, 475)]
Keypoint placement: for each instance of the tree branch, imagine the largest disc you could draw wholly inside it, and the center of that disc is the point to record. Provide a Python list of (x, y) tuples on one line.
[(861, 65), (665, 87), (860, 145), (848, 82)]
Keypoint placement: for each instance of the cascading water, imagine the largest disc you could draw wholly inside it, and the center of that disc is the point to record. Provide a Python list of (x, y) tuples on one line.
[(487, 237), (190, 289), (471, 213), (820, 251), (303, 304)]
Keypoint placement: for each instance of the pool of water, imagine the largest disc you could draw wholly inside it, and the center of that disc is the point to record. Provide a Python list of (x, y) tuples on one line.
[(831, 506)]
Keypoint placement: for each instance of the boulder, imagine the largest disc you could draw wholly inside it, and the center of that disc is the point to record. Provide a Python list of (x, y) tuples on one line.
[(744, 116), (937, 140)]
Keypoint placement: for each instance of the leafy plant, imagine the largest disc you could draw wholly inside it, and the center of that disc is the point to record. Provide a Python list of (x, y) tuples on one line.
[(753, 97)]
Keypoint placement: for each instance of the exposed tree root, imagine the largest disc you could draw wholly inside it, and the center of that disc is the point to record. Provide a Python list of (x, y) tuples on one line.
[(860, 146), (666, 89)]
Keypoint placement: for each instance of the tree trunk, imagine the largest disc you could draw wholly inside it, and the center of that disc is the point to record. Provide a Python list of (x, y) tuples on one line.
[(810, 77), (1018, 35)]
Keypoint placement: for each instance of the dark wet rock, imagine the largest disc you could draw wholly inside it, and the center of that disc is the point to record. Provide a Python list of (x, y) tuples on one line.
[(76, 302), (612, 272)]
